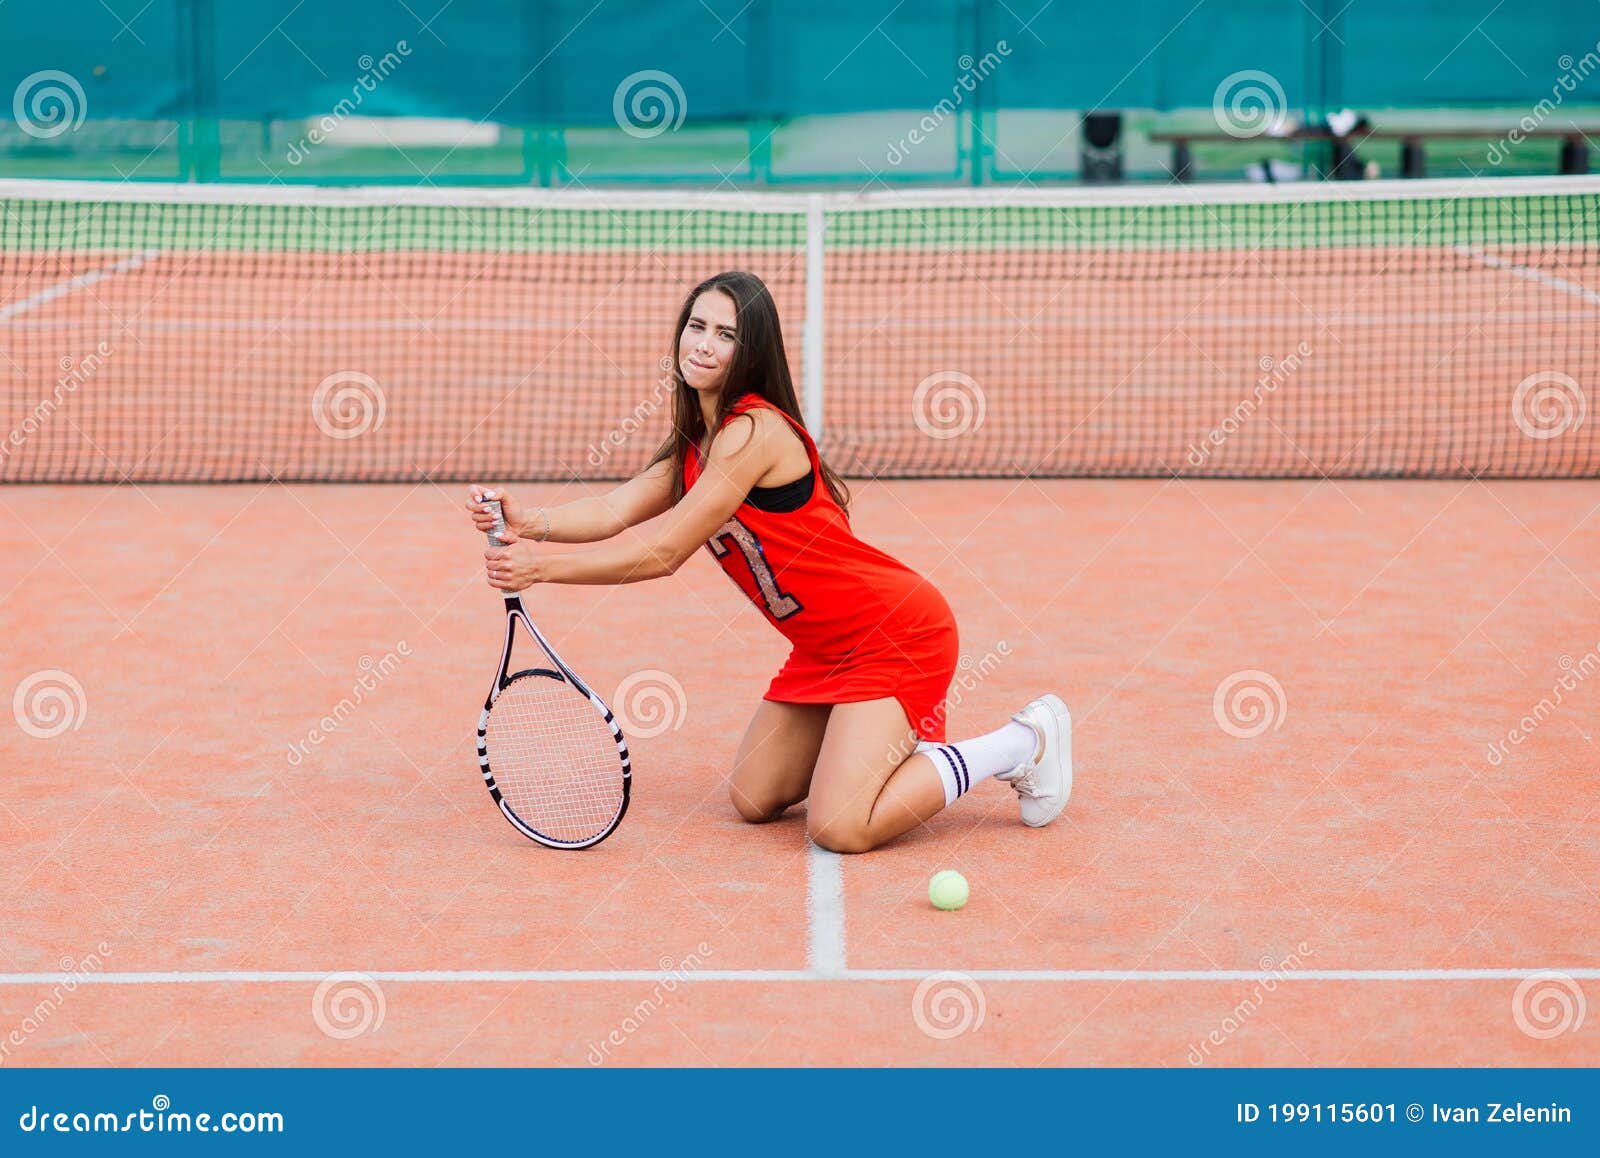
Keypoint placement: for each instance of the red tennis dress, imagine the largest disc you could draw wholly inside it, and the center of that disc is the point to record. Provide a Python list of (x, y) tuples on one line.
[(864, 626)]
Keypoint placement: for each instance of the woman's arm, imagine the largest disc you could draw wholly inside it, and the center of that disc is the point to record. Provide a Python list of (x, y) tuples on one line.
[(585, 520), (588, 520), (740, 454)]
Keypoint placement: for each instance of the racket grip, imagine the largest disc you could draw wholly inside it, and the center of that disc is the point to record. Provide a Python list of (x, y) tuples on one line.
[(493, 507)]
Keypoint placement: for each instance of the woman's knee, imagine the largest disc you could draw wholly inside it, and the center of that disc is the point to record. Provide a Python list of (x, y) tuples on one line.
[(841, 837), (756, 803)]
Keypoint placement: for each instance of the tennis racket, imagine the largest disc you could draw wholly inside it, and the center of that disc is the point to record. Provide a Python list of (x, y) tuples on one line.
[(552, 754)]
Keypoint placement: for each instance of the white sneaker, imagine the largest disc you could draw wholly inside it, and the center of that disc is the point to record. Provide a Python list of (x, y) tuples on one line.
[(1044, 784)]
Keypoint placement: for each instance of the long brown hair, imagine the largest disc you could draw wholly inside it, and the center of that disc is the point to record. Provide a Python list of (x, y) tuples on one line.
[(759, 366)]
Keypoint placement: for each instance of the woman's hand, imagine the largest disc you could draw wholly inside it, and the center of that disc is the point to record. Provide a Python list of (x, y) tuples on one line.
[(514, 566), (509, 507)]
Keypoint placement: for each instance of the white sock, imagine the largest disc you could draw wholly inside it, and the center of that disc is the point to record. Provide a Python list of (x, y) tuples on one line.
[(966, 762)]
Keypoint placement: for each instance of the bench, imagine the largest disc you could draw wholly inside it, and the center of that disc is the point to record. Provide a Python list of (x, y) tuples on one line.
[(1574, 139)]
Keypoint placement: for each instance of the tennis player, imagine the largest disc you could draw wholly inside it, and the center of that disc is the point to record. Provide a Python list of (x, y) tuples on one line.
[(854, 722)]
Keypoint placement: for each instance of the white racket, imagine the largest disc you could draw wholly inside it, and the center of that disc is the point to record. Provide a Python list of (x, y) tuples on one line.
[(552, 754)]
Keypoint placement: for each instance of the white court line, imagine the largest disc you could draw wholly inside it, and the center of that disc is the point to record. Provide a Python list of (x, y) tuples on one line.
[(825, 913), (1530, 274), (61, 289), (704, 976)]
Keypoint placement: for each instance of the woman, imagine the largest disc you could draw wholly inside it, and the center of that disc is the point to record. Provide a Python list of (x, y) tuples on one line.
[(874, 642)]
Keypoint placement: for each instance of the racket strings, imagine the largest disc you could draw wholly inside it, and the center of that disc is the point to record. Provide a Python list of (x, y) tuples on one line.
[(554, 758)]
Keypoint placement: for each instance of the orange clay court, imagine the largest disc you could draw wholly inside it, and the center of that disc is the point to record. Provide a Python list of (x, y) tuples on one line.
[(1336, 753)]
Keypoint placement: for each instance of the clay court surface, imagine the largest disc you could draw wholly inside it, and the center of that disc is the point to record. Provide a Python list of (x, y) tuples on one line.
[(1299, 835), (1337, 767)]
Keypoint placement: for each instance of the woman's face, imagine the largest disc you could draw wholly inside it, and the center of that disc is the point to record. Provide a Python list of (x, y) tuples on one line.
[(706, 346)]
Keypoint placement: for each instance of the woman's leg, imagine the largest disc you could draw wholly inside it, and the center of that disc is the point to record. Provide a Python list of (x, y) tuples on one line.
[(869, 787), (873, 781), (776, 757)]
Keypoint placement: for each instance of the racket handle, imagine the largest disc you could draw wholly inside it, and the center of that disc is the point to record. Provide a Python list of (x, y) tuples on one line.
[(493, 507)]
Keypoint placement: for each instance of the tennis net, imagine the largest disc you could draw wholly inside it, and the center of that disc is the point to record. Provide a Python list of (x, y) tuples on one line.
[(234, 333)]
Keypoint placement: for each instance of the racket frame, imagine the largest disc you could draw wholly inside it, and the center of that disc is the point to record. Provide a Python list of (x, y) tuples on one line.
[(504, 678)]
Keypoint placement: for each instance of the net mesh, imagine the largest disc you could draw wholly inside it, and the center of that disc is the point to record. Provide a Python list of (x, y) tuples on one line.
[(204, 334), (554, 758)]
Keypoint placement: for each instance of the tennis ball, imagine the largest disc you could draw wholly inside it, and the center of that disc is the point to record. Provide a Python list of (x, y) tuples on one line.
[(947, 889)]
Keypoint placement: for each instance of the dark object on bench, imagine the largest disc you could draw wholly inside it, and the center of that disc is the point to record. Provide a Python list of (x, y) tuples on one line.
[(1101, 154)]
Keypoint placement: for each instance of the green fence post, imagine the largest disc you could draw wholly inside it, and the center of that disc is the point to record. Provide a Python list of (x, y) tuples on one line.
[(552, 155), (187, 51), (1332, 57), (758, 133), (538, 139), (199, 141), (983, 24), (1324, 71), (531, 112)]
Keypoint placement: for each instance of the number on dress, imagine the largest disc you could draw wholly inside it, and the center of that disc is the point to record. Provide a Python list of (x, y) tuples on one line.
[(780, 604)]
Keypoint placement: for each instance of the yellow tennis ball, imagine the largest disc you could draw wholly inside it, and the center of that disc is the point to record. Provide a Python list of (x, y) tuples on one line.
[(947, 889)]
